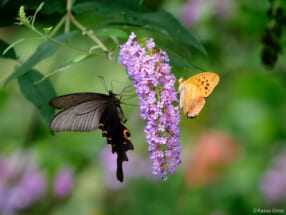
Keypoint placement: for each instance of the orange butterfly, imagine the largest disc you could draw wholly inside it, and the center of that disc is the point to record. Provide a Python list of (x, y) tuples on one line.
[(195, 91)]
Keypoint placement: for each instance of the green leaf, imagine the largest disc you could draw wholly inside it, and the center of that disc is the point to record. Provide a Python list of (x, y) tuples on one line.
[(9, 54), (99, 7), (113, 32), (176, 60), (80, 58), (157, 21), (77, 59), (38, 94), (37, 11), (93, 48), (44, 51), (47, 30), (130, 4), (166, 24), (4, 2)]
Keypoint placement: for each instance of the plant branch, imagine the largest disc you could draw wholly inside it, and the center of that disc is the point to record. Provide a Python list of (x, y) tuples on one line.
[(64, 44), (60, 23), (89, 33), (67, 23), (69, 6), (52, 73)]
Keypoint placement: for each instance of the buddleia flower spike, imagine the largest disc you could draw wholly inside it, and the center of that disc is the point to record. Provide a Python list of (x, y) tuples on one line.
[(149, 70)]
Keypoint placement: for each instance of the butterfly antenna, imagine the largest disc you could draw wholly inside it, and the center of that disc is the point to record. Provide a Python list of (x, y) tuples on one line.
[(134, 94), (127, 91), (103, 82), (127, 97), (120, 82), (112, 81), (178, 80), (129, 104), (111, 84), (184, 72), (122, 91)]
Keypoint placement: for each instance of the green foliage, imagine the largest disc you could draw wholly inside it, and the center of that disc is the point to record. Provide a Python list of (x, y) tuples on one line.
[(160, 21), (248, 104), (272, 34), (113, 32), (23, 18), (177, 61), (4, 2), (44, 51), (47, 30), (36, 12), (133, 14), (38, 94), (5, 53)]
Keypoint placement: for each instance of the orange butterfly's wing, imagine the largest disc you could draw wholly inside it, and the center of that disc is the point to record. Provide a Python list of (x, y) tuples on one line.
[(194, 92), (196, 107), (205, 81), (191, 100)]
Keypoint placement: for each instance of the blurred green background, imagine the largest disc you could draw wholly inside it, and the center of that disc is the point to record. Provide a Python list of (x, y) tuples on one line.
[(234, 158)]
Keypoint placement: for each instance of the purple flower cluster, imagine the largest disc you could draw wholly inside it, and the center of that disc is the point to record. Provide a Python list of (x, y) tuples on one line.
[(273, 183), (21, 183), (63, 182), (194, 10), (150, 71)]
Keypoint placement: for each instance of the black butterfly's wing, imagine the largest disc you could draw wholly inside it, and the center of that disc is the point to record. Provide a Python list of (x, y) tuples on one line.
[(121, 145), (117, 135), (82, 111), (90, 111), (81, 117), (69, 100)]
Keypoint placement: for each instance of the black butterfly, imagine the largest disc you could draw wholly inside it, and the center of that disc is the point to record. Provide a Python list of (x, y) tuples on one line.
[(90, 111)]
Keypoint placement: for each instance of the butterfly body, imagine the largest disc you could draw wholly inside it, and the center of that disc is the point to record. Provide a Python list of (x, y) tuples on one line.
[(117, 135), (90, 111), (195, 91)]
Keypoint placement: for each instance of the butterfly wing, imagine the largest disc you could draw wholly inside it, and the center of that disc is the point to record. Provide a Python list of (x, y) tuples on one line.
[(80, 117), (90, 111), (205, 81), (196, 106), (191, 101), (69, 100), (117, 135)]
